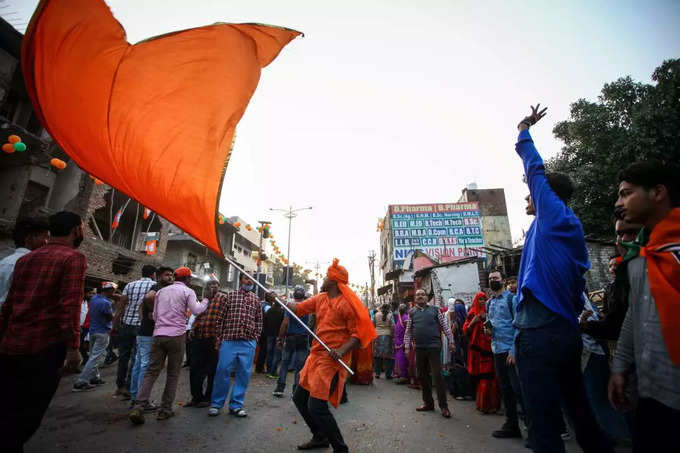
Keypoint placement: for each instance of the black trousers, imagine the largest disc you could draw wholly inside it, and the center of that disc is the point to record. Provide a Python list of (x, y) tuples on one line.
[(549, 365), (203, 365), (318, 417), (27, 385), (261, 355), (508, 380), (127, 341), (655, 426), (429, 366)]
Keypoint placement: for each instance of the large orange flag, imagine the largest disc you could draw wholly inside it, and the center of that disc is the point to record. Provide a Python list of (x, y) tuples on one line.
[(156, 119)]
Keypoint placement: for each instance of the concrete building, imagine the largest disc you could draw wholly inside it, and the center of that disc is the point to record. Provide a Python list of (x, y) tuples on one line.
[(495, 223), (445, 231)]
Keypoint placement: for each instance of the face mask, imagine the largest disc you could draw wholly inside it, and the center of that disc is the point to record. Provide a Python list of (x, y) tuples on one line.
[(495, 285), (247, 287)]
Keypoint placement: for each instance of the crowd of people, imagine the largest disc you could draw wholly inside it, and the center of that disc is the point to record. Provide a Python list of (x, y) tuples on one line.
[(535, 344)]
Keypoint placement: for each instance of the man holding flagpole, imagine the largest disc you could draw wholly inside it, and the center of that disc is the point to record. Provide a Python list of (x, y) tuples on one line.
[(343, 323)]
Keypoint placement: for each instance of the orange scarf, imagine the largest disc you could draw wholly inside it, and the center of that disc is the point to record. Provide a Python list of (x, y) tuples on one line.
[(365, 328), (663, 269)]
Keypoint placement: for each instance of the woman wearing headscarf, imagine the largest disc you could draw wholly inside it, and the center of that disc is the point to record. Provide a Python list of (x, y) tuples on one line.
[(459, 379), (383, 346), (480, 357), (400, 359)]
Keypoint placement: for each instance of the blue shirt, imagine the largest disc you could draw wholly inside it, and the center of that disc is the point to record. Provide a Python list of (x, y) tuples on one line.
[(501, 312), (100, 312), (294, 327), (555, 257)]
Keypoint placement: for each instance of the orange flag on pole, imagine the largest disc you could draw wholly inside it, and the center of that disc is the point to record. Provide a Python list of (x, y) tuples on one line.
[(156, 119)]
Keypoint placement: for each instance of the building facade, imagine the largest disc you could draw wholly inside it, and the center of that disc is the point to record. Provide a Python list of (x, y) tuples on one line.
[(445, 231)]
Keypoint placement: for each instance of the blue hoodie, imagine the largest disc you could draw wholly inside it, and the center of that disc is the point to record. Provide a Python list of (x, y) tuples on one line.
[(555, 256)]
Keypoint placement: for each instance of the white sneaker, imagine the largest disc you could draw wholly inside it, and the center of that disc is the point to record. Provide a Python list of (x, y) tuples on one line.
[(566, 436), (213, 412)]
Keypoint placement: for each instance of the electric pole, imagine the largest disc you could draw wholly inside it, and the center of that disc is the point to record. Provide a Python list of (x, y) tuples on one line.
[(371, 267)]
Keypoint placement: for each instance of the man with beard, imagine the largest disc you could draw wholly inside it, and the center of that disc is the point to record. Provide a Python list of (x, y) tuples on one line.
[(343, 323), (39, 328)]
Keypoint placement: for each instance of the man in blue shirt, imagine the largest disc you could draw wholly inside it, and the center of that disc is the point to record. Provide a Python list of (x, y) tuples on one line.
[(500, 315), (550, 286), (295, 345), (101, 315)]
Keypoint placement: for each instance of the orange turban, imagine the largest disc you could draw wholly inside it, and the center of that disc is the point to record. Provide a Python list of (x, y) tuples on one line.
[(365, 328)]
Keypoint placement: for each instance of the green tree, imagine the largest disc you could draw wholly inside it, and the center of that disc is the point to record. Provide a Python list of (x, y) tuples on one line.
[(298, 278), (631, 121)]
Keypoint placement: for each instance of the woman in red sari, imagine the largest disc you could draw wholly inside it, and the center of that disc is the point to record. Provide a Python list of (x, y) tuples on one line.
[(480, 357)]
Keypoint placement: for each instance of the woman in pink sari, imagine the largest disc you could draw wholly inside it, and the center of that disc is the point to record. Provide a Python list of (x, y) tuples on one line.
[(400, 359)]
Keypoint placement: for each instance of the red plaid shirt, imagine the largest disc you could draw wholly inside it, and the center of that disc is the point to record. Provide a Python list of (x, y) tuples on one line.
[(205, 324), (239, 318), (43, 304)]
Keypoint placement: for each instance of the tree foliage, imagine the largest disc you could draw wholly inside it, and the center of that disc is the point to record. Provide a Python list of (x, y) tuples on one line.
[(631, 121), (298, 277)]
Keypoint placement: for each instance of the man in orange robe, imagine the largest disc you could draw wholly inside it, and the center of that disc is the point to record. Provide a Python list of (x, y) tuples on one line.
[(344, 324)]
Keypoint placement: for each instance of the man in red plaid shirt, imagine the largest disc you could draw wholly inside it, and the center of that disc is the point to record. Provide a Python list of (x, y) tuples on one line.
[(39, 328), (237, 328), (203, 354)]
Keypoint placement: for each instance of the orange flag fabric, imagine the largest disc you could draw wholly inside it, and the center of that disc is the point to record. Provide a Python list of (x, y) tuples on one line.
[(155, 120), (663, 268)]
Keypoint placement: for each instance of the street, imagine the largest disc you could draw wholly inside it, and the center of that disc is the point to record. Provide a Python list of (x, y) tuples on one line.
[(380, 417)]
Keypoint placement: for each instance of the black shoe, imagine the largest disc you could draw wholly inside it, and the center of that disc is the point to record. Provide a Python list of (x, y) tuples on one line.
[(505, 433), (313, 444), (278, 392), (82, 387), (97, 381)]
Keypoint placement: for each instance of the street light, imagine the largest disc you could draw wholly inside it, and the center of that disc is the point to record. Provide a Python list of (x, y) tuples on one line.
[(289, 213)]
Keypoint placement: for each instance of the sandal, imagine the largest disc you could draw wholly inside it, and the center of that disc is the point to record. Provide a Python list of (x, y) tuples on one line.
[(238, 412)]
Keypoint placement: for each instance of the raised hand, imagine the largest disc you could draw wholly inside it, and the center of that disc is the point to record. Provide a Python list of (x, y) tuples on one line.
[(532, 119)]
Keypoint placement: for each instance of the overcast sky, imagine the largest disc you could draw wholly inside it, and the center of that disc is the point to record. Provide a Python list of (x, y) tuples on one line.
[(386, 102)]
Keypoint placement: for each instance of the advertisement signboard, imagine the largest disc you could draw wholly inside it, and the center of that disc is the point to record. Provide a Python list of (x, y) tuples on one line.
[(438, 229)]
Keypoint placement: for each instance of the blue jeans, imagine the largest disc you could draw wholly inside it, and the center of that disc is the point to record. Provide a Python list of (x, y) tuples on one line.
[(98, 344), (548, 359), (237, 356), (596, 380), (295, 352), (141, 362), (273, 356)]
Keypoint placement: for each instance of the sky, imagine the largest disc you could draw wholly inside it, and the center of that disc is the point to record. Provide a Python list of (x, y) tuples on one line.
[(392, 102)]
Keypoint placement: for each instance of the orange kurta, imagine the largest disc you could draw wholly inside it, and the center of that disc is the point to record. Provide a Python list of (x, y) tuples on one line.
[(336, 324)]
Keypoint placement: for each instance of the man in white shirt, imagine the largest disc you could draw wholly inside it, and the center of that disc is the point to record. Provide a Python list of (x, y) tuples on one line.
[(29, 234)]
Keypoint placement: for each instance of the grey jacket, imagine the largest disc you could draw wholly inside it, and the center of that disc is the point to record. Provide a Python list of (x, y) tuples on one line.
[(641, 347)]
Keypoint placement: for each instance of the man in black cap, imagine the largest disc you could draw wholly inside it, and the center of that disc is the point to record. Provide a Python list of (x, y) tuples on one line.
[(295, 341)]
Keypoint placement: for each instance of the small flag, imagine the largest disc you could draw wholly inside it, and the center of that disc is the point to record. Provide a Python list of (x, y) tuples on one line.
[(150, 247), (147, 213), (116, 219)]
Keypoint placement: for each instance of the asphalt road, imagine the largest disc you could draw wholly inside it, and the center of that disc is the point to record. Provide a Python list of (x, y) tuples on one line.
[(380, 417)]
